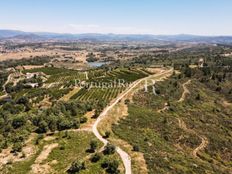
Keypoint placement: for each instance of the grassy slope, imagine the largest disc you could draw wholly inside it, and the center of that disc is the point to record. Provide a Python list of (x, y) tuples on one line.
[(74, 148), (166, 147)]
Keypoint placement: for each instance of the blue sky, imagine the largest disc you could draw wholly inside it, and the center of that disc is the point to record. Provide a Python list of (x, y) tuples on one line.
[(201, 17)]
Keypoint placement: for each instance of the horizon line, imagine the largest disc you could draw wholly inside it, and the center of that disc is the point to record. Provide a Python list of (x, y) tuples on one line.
[(108, 33)]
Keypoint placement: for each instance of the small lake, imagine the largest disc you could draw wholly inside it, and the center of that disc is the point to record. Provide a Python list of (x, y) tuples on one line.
[(97, 64)]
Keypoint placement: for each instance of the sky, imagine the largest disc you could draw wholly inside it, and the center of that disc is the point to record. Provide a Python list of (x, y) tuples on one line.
[(199, 17)]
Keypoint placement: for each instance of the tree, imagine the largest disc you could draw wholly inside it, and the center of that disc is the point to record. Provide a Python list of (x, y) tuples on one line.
[(76, 167), (109, 149), (17, 147), (198, 97), (230, 91), (18, 121), (107, 134), (42, 127), (96, 157), (136, 148), (112, 167), (97, 112), (39, 137), (64, 124), (93, 146), (188, 72), (127, 101), (83, 119), (52, 122), (22, 100), (219, 88)]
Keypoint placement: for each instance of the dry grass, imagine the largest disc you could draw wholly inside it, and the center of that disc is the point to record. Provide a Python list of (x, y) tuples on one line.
[(90, 121), (28, 149), (114, 115), (27, 54), (119, 111), (38, 167)]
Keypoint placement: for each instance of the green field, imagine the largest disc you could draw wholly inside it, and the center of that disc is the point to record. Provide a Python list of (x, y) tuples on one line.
[(119, 78)]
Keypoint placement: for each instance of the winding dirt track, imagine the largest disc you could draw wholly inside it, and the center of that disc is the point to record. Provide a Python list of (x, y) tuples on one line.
[(186, 91), (124, 156), (182, 125)]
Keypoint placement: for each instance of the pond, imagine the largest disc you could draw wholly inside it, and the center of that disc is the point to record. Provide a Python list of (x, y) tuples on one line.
[(97, 64)]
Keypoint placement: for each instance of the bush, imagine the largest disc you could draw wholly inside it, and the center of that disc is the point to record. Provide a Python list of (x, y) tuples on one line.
[(17, 147), (97, 112), (83, 119), (111, 166), (18, 121), (64, 124), (105, 164), (109, 149), (39, 137), (93, 146), (42, 127), (76, 167), (127, 101), (62, 147), (198, 97), (219, 88), (136, 148), (95, 158), (107, 134)]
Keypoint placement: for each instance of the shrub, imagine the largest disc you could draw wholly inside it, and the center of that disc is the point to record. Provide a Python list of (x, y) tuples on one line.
[(198, 97), (93, 146), (76, 167), (17, 147), (42, 127), (136, 148), (109, 149), (112, 167), (39, 137), (107, 134), (64, 124), (18, 121), (83, 119), (127, 101), (95, 158)]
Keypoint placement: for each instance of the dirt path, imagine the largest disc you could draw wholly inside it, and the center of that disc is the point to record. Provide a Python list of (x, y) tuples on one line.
[(46, 151), (124, 156), (203, 145), (182, 125), (186, 91), (3, 96), (204, 140), (86, 75), (38, 167), (226, 103), (27, 151), (7, 81)]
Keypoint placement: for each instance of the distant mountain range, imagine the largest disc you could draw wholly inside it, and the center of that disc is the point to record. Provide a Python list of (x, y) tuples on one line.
[(21, 36)]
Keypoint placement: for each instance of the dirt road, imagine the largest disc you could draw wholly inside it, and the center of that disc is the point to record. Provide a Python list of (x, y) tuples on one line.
[(124, 156), (186, 91)]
